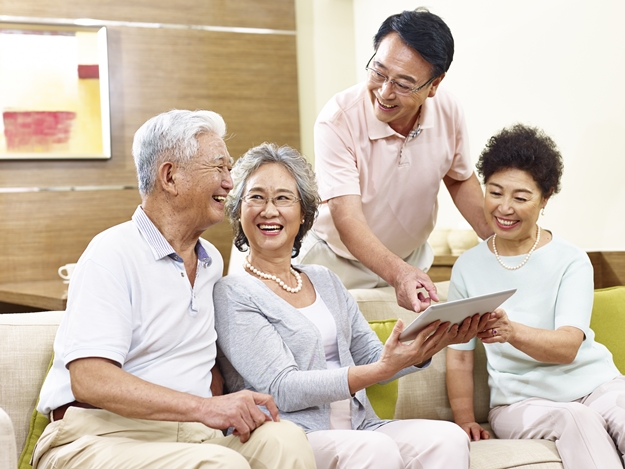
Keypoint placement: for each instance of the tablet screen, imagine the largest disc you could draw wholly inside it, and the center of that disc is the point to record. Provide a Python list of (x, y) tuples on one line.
[(455, 311)]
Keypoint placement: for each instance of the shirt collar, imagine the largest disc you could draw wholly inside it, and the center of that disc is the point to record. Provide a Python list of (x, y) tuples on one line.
[(160, 246)]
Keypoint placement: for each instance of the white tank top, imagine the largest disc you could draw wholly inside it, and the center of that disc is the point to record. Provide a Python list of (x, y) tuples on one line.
[(319, 314)]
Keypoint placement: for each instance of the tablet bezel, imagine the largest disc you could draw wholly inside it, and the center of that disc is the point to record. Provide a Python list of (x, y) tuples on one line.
[(455, 311)]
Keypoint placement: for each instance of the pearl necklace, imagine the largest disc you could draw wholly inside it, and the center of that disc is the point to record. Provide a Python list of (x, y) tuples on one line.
[(526, 257), (279, 281)]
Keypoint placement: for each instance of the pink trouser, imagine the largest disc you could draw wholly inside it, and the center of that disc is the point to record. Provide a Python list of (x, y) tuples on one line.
[(589, 432), (414, 444)]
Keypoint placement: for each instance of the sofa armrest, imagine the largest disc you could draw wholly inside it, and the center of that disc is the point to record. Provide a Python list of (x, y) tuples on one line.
[(8, 451), (25, 352)]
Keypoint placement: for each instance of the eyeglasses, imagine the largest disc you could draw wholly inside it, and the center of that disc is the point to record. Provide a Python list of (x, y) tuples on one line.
[(257, 200), (401, 87)]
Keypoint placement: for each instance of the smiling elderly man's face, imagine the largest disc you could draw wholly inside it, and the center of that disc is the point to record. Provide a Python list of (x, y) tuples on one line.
[(400, 62), (206, 181)]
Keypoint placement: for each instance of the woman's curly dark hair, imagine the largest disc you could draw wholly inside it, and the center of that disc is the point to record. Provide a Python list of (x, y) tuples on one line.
[(528, 149)]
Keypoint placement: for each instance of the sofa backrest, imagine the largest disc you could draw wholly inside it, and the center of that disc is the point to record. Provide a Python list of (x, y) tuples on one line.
[(26, 342), (608, 321)]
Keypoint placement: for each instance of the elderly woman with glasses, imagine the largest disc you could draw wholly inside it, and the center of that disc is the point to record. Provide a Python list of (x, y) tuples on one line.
[(294, 332)]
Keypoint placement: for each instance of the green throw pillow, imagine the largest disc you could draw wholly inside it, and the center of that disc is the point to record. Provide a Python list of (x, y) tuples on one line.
[(38, 422), (608, 322), (383, 397)]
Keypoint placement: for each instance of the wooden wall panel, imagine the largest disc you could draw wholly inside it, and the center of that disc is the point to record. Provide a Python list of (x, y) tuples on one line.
[(44, 230), (609, 268), (273, 14), (251, 79)]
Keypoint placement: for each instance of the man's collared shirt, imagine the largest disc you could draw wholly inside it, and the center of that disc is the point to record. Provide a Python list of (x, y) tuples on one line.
[(397, 177)]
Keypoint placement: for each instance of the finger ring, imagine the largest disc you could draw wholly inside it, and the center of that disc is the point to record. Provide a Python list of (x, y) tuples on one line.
[(494, 331)]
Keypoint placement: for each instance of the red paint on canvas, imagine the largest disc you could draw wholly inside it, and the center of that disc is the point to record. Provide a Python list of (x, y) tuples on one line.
[(89, 71), (37, 131)]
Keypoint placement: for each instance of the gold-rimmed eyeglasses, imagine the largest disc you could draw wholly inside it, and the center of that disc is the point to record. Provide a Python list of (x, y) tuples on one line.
[(401, 87), (258, 200)]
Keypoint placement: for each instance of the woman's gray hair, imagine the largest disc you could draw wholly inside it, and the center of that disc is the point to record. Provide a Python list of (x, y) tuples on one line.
[(170, 136), (296, 165)]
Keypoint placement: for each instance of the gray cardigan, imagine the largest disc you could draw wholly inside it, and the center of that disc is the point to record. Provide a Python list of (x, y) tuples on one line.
[(269, 347)]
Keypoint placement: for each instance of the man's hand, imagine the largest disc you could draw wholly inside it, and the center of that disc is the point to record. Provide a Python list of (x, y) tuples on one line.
[(239, 410), (406, 282), (102, 383)]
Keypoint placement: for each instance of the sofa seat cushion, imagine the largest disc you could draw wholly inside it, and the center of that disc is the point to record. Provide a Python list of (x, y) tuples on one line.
[(525, 454)]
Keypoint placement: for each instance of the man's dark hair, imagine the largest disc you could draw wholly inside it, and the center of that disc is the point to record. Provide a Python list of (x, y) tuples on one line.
[(425, 32)]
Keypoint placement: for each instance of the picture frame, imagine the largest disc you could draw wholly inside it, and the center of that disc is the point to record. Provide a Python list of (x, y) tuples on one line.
[(54, 92)]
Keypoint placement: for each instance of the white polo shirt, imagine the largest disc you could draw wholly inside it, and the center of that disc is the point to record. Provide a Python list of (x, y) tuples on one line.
[(130, 301), (398, 178)]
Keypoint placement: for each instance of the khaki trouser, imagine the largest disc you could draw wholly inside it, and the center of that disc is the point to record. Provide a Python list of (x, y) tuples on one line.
[(96, 438)]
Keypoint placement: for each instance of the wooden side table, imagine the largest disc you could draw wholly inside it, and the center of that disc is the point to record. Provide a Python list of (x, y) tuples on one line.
[(48, 295)]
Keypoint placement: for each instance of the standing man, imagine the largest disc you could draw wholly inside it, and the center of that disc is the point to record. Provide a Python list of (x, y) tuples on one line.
[(381, 151), (134, 384)]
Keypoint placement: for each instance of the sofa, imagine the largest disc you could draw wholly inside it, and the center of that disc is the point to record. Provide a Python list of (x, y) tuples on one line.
[(26, 345)]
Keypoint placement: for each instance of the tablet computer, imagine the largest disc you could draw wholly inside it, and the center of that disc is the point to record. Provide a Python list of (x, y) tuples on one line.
[(455, 311)]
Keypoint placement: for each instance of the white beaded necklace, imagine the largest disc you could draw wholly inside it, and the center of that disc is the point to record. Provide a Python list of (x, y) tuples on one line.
[(526, 257), (279, 281)]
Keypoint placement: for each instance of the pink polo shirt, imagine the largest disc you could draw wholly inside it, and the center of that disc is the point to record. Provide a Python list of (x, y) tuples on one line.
[(398, 178)]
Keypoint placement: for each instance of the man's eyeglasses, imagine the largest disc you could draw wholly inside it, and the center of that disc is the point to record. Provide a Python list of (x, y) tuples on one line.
[(257, 200), (401, 87)]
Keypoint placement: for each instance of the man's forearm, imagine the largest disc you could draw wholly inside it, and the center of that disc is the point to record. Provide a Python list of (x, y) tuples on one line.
[(469, 199), (370, 251), (99, 382), (355, 233)]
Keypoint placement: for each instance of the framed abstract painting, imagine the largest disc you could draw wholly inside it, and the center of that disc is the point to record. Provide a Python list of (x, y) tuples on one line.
[(54, 92)]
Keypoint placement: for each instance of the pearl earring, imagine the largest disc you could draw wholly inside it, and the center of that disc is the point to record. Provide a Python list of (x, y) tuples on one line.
[(542, 211)]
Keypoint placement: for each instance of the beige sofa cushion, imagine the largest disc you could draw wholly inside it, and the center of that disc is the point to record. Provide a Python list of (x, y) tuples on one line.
[(8, 452), (517, 454)]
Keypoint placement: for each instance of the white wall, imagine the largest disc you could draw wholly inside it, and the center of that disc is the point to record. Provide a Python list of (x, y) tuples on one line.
[(556, 64), (326, 58)]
